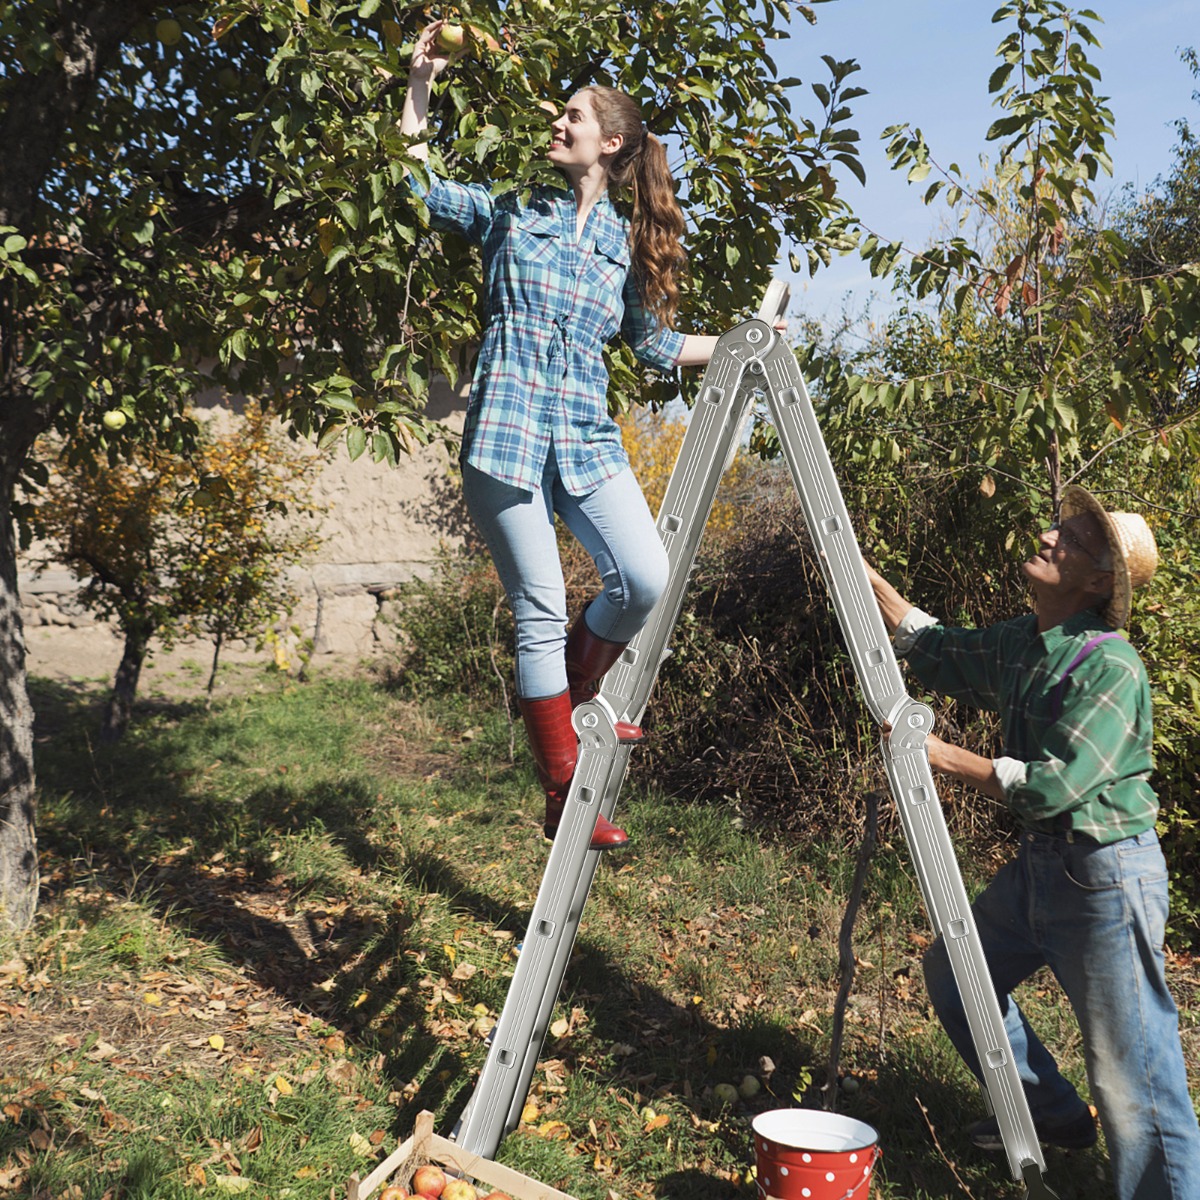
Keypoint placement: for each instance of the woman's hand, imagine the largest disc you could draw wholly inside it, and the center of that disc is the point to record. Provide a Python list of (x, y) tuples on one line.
[(428, 59)]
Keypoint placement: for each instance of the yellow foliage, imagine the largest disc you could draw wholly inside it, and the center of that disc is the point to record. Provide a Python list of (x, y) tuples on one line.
[(652, 441), (186, 546)]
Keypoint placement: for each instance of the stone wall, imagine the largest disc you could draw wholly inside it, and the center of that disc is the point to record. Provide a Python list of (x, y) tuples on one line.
[(382, 526)]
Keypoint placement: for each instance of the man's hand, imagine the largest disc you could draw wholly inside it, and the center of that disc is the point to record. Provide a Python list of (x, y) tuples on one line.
[(964, 765)]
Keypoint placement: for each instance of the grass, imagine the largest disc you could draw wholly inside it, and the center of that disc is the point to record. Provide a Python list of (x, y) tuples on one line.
[(272, 932)]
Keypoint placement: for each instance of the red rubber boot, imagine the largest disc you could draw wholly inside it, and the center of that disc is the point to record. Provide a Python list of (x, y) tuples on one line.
[(555, 751), (588, 658)]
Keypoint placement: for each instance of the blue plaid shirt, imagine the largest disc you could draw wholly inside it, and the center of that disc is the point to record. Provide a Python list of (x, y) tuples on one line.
[(552, 302)]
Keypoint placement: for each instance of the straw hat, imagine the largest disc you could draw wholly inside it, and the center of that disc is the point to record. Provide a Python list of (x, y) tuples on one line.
[(1130, 543)]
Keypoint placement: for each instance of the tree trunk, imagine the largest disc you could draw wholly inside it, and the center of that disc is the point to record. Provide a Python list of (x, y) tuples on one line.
[(18, 801), (37, 112), (120, 703), (218, 642)]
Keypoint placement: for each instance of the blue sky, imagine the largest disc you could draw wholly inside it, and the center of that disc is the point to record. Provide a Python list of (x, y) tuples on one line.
[(928, 62)]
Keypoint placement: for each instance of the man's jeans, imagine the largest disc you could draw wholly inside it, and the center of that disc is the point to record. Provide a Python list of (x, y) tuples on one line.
[(614, 526), (1095, 915)]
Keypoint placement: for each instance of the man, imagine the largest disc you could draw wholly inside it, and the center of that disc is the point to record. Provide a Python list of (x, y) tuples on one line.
[(1087, 893)]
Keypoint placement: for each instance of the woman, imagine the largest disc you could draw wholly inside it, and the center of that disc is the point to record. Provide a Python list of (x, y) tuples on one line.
[(564, 274)]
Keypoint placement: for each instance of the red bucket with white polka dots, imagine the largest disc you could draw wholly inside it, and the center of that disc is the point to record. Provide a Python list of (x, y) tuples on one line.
[(803, 1154)]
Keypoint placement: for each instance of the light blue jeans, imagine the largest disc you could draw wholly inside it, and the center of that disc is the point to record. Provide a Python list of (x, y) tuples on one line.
[(614, 526), (1096, 916)]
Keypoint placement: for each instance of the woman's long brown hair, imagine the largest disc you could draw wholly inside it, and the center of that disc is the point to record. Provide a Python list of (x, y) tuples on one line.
[(656, 224)]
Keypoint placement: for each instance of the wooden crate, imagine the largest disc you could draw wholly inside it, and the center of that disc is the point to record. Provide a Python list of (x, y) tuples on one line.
[(426, 1147)]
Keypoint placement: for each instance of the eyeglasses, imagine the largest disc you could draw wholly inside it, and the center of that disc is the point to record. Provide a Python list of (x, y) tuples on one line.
[(1072, 539)]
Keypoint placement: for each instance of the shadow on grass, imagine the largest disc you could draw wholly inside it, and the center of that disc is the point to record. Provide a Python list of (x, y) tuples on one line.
[(145, 818)]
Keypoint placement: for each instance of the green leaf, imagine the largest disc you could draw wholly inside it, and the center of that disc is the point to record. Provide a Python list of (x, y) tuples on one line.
[(356, 441), (342, 403), (336, 255), (999, 77)]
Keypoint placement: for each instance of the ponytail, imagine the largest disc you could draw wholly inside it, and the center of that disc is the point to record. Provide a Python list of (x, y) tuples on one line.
[(656, 224)]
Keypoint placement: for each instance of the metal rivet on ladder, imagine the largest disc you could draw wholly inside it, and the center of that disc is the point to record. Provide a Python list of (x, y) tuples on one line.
[(753, 336)]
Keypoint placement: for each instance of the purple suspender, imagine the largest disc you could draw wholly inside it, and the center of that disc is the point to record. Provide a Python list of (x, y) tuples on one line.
[(1056, 697)]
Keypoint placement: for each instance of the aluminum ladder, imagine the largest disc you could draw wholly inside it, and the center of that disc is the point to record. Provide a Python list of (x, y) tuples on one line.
[(751, 361)]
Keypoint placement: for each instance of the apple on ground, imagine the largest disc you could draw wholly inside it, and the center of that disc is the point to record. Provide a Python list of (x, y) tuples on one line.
[(725, 1094), (429, 1181), (459, 1189), (749, 1087), (394, 1192)]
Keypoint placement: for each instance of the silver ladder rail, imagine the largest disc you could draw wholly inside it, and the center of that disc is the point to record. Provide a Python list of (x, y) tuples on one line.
[(750, 360)]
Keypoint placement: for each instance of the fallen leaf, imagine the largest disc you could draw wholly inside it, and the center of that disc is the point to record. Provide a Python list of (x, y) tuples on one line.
[(234, 1184), (153, 998), (657, 1122), (560, 1028), (282, 1086), (360, 1144), (340, 1073), (217, 1042)]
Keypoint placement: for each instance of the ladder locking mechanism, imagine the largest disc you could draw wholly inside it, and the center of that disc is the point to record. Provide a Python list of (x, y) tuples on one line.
[(910, 727)]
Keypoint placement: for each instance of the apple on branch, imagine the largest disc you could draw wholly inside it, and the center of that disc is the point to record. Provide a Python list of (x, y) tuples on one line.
[(450, 38)]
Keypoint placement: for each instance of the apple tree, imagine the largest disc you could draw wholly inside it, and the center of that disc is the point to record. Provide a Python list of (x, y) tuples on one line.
[(211, 193)]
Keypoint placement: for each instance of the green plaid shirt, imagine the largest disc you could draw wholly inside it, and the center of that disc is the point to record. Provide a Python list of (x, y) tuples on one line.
[(1089, 770)]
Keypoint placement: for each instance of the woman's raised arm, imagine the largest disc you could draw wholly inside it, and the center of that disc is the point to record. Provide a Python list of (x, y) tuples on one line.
[(428, 62)]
